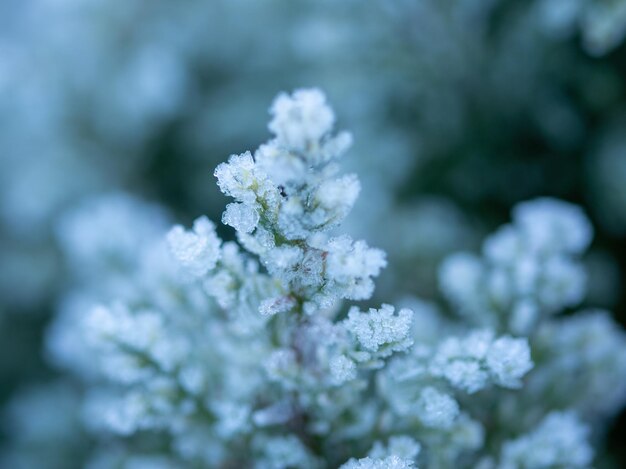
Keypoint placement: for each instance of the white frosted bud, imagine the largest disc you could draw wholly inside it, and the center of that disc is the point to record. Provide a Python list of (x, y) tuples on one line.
[(196, 251), (436, 409), (241, 217), (508, 360), (302, 118)]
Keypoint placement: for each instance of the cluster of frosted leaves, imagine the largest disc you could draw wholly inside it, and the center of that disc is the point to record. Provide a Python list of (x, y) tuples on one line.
[(429, 391), (148, 340), (602, 23), (321, 371), (325, 369), (289, 197), (179, 347), (182, 371), (468, 364), (195, 352), (528, 269), (201, 355)]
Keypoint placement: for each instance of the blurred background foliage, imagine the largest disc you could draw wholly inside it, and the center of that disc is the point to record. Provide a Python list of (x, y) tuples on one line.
[(459, 109)]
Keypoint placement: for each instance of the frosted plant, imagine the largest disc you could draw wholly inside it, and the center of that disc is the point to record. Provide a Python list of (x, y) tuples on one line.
[(210, 344), (195, 352), (469, 363), (450, 62), (288, 198)]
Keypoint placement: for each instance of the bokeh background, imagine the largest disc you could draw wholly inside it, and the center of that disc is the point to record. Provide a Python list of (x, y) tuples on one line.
[(459, 109)]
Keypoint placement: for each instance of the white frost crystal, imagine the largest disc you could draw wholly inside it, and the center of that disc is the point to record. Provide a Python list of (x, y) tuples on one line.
[(240, 178), (381, 331)]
